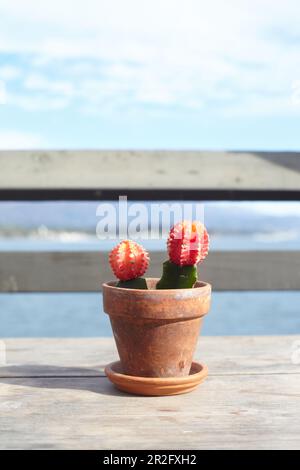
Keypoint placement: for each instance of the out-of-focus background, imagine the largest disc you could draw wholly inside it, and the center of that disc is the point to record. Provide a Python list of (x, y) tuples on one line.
[(149, 75), (160, 74)]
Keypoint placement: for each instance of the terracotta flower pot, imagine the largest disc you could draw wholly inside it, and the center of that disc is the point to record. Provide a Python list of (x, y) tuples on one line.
[(156, 331)]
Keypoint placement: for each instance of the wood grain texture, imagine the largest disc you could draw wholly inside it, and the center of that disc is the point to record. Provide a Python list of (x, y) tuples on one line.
[(77, 357), (156, 169), (86, 271), (88, 413), (237, 410)]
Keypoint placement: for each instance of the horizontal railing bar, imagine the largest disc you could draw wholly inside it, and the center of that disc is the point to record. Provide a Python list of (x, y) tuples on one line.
[(86, 271), (175, 174), (148, 194)]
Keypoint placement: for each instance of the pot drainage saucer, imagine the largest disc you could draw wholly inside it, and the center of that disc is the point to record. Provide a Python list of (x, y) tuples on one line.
[(154, 386)]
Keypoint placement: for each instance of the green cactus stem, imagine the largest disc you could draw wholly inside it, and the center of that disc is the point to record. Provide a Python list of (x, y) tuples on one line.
[(177, 277), (137, 283)]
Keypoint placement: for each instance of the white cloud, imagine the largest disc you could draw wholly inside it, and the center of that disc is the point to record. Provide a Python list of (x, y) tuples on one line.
[(8, 72), (3, 94), (16, 140), (41, 83), (242, 55), (36, 102), (295, 87)]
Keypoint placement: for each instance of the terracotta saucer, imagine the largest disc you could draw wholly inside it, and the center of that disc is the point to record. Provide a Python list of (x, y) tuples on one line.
[(152, 386)]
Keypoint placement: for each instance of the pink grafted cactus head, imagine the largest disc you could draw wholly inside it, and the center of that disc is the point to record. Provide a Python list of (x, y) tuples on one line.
[(188, 243), (128, 260)]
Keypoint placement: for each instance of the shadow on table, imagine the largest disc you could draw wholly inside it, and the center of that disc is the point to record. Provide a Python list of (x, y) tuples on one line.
[(56, 377)]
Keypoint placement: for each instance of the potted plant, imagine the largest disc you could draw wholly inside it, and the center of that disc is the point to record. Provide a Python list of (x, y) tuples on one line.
[(156, 321)]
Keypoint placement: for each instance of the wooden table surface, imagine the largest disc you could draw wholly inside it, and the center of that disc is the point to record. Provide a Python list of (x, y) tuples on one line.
[(54, 395)]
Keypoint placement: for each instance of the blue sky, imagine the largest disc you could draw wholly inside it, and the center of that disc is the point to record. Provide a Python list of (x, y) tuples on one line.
[(141, 74)]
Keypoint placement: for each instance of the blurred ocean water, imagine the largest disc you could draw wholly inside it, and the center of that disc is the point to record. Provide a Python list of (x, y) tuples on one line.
[(66, 225), (81, 314)]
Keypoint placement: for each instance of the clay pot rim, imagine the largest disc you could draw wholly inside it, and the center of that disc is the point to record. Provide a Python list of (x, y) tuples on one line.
[(200, 285)]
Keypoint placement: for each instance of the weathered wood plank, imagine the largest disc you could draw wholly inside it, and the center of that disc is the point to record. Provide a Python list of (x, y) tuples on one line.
[(241, 412), (150, 170), (62, 357), (250, 400), (86, 271)]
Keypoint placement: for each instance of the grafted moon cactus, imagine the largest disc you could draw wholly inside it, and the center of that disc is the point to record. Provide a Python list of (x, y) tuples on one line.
[(188, 245), (129, 261)]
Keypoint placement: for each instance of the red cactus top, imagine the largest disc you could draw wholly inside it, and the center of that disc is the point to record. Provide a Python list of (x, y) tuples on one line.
[(128, 260), (188, 243)]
